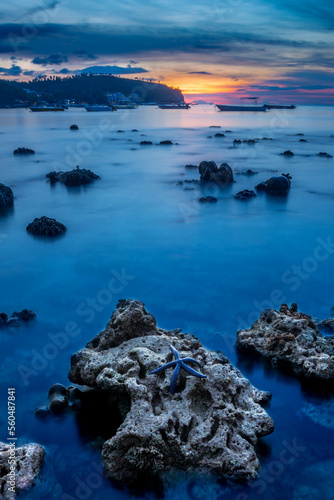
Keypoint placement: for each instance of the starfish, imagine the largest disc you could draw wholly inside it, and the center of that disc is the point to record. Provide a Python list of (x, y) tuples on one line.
[(178, 364)]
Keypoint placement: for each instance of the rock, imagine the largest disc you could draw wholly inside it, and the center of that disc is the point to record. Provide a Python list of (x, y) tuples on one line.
[(209, 425), (301, 135), (248, 172), (215, 126), (321, 414), (236, 141), (24, 151), (326, 324), (208, 199), (28, 463), (75, 177), (219, 134), (42, 412), (276, 185), (288, 153), (291, 339), (228, 131), (17, 318), (245, 195), (250, 142), (146, 143), (166, 143), (44, 226), (191, 166), (134, 130), (58, 400), (6, 196), (120, 131), (74, 127), (324, 155), (210, 172), (303, 140)]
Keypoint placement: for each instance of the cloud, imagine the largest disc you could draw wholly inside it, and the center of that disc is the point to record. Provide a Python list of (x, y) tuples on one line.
[(198, 73), (13, 71), (64, 71), (115, 70), (53, 59), (29, 73), (47, 5), (83, 54)]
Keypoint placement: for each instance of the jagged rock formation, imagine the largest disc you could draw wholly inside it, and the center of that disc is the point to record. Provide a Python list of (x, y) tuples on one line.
[(209, 425), (290, 338), (44, 226), (6, 196), (28, 462), (76, 177)]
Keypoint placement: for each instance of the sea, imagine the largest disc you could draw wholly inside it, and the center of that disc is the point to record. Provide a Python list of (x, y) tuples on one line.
[(207, 268)]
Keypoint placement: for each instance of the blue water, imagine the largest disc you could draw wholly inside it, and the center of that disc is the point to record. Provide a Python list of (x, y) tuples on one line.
[(208, 269)]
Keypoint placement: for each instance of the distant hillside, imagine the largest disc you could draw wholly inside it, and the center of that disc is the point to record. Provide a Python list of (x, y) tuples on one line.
[(9, 93), (92, 89)]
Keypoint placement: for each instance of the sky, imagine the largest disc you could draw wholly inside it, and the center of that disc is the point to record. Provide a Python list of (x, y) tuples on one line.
[(213, 50)]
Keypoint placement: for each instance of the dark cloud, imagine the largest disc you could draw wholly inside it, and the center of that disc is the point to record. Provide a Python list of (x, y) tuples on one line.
[(198, 73), (83, 54), (13, 71), (115, 70), (47, 5), (51, 60), (29, 73)]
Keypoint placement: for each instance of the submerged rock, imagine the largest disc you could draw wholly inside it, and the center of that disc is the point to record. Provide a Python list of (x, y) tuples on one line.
[(324, 155), (326, 324), (6, 196), (191, 166), (303, 140), (166, 143), (245, 195), (74, 127), (208, 199), (248, 172), (290, 338), (76, 177), (17, 318), (276, 185), (219, 134), (210, 172), (27, 462), (288, 153), (146, 143), (24, 151), (209, 425), (44, 226)]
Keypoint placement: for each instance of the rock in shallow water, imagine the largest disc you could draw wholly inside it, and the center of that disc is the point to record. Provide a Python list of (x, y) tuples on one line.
[(76, 177), (245, 195), (6, 196), (28, 464), (24, 151), (290, 338), (209, 171), (278, 186), (209, 425), (44, 226)]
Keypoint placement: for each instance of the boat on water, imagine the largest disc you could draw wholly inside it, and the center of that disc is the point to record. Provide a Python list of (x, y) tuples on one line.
[(43, 107), (125, 105), (174, 106), (280, 106), (227, 107), (98, 107)]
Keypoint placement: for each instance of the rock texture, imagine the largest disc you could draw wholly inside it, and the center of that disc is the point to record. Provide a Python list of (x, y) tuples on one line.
[(6, 196), (245, 195), (76, 177), (290, 338), (209, 424), (17, 318), (44, 226), (28, 465)]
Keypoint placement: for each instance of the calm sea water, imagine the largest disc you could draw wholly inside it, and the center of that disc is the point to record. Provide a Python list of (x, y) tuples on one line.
[(208, 269)]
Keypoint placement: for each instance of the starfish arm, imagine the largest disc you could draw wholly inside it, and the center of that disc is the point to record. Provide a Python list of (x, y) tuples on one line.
[(174, 378), (175, 353), (163, 367), (191, 360), (192, 372)]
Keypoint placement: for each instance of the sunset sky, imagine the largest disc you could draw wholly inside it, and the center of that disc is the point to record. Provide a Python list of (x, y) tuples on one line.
[(276, 49)]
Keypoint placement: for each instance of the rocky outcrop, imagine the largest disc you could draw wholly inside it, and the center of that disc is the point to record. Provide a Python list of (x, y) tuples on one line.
[(44, 226), (208, 199), (288, 153), (209, 171), (246, 194), (19, 468), (74, 127), (146, 143), (166, 143), (210, 425), (76, 177), (6, 196), (326, 324), (324, 155), (24, 151), (290, 338), (17, 318), (278, 186)]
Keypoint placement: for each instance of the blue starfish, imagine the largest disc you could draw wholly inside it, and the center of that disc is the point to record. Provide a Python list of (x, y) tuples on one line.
[(178, 364)]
